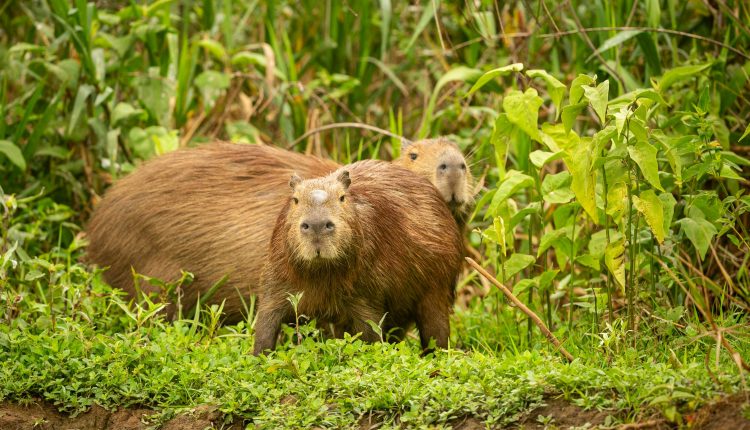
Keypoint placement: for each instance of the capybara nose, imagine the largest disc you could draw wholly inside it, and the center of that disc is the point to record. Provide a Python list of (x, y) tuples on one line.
[(317, 227)]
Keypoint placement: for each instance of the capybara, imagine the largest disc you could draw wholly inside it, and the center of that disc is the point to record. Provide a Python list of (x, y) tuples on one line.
[(211, 211), (442, 163), (360, 249)]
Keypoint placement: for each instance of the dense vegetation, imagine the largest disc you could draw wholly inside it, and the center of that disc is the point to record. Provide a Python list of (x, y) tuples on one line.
[(612, 197)]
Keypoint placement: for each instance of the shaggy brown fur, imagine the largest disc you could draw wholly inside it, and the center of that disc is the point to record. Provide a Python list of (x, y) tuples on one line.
[(441, 162), (208, 210), (396, 253)]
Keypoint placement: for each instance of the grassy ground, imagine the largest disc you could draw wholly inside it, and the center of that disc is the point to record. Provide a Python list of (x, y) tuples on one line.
[(609, 140)]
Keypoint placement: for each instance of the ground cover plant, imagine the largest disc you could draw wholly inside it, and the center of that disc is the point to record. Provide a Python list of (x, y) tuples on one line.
[(610, 145)]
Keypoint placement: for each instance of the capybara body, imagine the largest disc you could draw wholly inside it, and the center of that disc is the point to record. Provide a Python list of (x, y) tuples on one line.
[(369, 242), (211, 211)]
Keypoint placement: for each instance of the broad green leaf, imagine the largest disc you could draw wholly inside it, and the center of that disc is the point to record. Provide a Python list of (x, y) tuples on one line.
[(13, 153), (539, 158), (556, 188), (617, 195), (544, 281), (532, 208), (212, 85), (154, 93), (460, 73), (523, 285), (502, 132), (576, 92), (700, 232), (728, 173), (514, 181), (84, 91), (588, 260), (668, 203), (653, 211), (515, 263), (549, 239), (598, 241), (644, 155), (578, 157), (614, 41), (500, 233), (555, 88), (614, 260), (678, 74), (523, 111), (571, 112), (492, 74), (124, 111), (598, 98)]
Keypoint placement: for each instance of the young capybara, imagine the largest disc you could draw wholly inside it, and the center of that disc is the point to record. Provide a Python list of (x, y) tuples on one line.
[(211, 211), (441, 162), (360, 249)]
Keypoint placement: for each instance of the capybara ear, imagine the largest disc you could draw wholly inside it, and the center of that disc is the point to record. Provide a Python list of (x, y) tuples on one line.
[(344, 179), (294, 181)]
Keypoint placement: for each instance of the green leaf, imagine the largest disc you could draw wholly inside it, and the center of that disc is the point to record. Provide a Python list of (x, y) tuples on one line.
[(532, 208), (214, 48), (556, 188), (84, 91), (539, 158), (549, 239), (653, 211), (124, 111), (502, 133), (13, 153), (427, 14), (598, 98), (555, 88), (578, 157), (514, 181), (746, 133), (523, 111), (515, 263), (700, 232), (570, 113), (212, 84), (667, 203), (644, 154), (492, 74), (576, 92), (615, 40), (679, 74), (614, 260)]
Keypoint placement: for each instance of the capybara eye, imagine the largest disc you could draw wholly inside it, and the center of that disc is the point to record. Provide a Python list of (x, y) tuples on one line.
[(443, 166), (341, 199), (463, 166), (295, 200), (329, 225), (413, 156), (305, 226)]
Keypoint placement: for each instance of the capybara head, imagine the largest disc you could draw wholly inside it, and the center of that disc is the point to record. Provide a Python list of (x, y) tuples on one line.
[(320, 218), (442, 163)]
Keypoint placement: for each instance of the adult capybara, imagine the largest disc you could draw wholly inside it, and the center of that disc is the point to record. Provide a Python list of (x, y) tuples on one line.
[(360, 249), (211, 211)]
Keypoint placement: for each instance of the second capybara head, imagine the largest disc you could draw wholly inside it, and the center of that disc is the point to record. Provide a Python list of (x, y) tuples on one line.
[(441, 162)]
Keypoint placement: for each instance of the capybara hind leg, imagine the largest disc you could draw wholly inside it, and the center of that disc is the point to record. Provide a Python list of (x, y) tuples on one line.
[(433, 323)]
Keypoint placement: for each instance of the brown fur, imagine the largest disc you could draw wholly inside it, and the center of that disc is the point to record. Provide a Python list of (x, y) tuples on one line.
[(209, 211), (399, 254), (441, 162)]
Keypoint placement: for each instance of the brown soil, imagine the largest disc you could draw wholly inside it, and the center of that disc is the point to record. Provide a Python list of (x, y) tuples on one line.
[(726, 413), (42, 416)]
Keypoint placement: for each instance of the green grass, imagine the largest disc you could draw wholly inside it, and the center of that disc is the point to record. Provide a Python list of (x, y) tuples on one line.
[(614, 204)]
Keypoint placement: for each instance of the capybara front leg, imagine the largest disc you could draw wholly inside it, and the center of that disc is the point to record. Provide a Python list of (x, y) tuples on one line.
[(268, 325)]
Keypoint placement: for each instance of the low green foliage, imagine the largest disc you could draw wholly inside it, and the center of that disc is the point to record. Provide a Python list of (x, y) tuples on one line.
[(610, 140)]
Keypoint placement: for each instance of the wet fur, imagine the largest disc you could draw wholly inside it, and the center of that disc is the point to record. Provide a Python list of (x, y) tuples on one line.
[(402, 261)]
